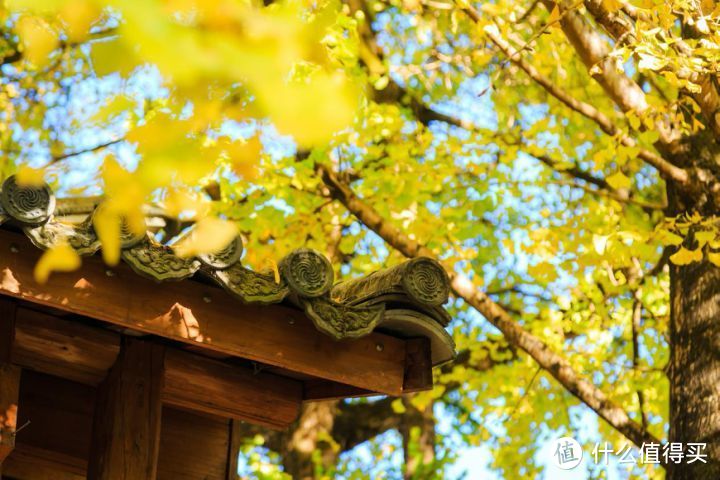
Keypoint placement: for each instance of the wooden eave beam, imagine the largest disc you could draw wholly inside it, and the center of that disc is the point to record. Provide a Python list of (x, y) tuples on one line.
[(205, 317), (85, 354)]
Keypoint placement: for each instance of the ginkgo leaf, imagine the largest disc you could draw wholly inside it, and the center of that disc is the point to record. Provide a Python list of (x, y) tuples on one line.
[(612, 6), (714, 257), (669, 238), (554, 18), (704, 236), (650, 62), (38, 39), (618, 180), (209, 235), (244, 156), (107, 225), (600, 243), (62, 258), (78, 16), (27, 176), (685, 256)]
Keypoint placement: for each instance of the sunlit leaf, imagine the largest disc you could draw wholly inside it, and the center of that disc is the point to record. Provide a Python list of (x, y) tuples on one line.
[(61, 258), (210, 235)]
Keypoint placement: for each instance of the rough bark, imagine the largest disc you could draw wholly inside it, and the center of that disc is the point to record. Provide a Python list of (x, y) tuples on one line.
[(418, 434), (694, 368), (310, 435)]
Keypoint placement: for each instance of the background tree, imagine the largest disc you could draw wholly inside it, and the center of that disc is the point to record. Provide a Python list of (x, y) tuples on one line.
[(559, 158)]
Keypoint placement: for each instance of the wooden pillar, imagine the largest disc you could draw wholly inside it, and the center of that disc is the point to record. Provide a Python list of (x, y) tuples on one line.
[(9, 380), (234, 444), (126, 425)]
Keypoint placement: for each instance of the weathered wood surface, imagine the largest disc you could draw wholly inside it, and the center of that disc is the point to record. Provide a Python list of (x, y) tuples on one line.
[(192, 447), (126, 425), (32, 463), (9, 390), (212, 387), (9, 380), (64, 348), (56, 415), (418, 365), (235, 440), (84, 354), (56, 444), (204, 316)]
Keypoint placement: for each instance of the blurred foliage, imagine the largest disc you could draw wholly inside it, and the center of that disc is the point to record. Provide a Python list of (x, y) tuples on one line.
[(202, 107)]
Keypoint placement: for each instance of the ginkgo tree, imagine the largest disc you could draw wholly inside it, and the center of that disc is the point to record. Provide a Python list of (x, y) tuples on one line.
[(559, 158)]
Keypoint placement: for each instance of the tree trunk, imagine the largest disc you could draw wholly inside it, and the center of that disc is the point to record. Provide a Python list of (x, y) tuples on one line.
[(311, 434), (694, 368), (418, 433)]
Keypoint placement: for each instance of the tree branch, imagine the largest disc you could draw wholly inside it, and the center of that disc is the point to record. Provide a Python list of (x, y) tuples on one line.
[(666, 169), (64, 156), (620, 29), (516, 336), (593, 51)]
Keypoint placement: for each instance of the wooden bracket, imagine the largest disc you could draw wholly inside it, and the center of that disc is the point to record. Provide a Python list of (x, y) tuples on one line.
[(126, 426), (418, 365)]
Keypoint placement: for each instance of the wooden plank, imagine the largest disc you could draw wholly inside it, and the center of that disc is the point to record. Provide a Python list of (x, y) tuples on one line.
[(84, 354), (204, 316), (56, 414), (192, 446), (8, 314), (418, 366), (9, 380), (63, 348), (315, 390), (198, 383), (55, 440), (126, 425), (32, 463)]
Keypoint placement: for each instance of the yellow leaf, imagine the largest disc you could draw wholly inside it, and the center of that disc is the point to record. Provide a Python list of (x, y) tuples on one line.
[(397, 406), (78, 16), (600, 243), (714, 257), (685, 256), (669, 238), (38, 39), (612, 6), (114, 106), (107, 225), (112, 56), (651, 62), (184, 202), (210, 235), (30, 177), (704, 236), (697, 125), (244, 157), (61, 258), (554, 18), (295, 110), (618, 180), (268, 265)]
